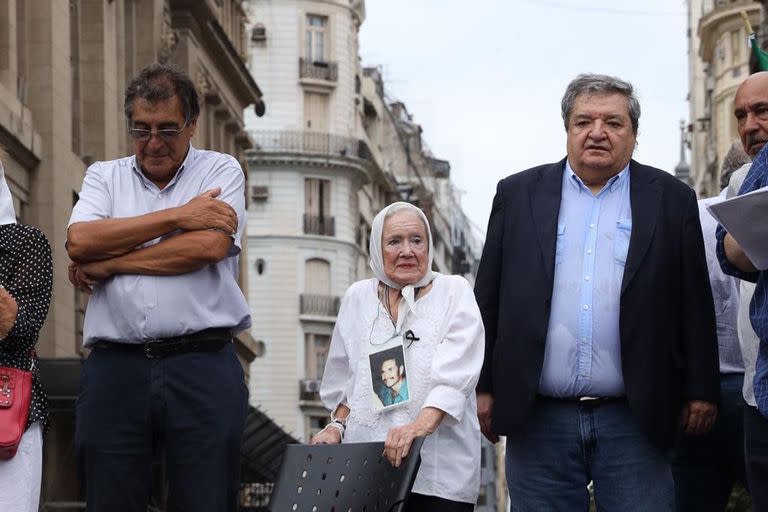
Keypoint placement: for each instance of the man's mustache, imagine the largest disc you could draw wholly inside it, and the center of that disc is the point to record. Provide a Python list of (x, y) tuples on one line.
[(753, 138)]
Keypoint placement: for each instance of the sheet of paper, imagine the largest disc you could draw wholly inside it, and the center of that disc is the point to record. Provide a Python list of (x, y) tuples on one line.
[(746, 219)]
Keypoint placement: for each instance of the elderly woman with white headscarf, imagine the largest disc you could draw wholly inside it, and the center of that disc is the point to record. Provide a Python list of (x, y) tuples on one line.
[(25, 293), (404, 359)]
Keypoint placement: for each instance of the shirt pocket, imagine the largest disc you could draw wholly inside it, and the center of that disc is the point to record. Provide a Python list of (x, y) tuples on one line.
[(621, 240), (560, 244)]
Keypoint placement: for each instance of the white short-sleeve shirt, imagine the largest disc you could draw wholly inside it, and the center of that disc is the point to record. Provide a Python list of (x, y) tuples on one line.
[(134, 308)]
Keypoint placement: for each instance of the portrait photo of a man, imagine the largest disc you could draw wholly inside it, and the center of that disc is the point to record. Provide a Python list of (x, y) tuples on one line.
[(388, 376)]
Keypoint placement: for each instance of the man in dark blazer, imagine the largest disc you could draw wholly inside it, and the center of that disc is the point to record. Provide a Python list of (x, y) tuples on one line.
[(600, 330)]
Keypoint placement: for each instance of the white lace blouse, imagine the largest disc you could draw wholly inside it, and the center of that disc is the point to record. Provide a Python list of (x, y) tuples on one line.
[(442, 370)]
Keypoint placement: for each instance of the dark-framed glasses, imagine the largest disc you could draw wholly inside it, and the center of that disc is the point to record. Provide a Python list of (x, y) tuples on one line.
[(166, 134)]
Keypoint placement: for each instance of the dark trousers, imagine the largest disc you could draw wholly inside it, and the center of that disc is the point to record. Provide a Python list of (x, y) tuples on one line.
[(756, 455), (423, 503), (193, 405), (707, 466)]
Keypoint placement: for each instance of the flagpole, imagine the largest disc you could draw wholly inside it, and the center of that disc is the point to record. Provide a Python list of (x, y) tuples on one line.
[(747, 24)]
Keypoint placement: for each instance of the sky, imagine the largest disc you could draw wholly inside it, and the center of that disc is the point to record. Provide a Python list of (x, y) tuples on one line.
[(484, 78)]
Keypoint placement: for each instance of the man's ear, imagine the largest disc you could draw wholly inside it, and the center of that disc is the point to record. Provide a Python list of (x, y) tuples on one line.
[(402, 370)]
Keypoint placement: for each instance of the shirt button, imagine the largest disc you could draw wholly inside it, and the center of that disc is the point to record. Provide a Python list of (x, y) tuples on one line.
[(586, 307), (586, 278), (589, 251), (591, 226)]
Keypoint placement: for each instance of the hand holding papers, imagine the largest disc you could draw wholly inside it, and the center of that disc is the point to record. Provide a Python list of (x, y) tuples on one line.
[(746, 219)]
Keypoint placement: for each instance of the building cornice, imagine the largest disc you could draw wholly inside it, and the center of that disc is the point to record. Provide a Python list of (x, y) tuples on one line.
[(200, 18), (361, 169), (721, 19), (306, 238)]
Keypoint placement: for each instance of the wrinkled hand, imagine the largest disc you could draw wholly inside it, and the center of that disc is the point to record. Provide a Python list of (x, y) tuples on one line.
[(698, 416), (84, 275), (77, 279), (9, 308), (328, 435), (207, 212), (397, 446), (484, 406)]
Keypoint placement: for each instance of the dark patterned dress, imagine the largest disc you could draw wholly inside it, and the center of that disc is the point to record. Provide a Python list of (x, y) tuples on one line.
[(26, 273)]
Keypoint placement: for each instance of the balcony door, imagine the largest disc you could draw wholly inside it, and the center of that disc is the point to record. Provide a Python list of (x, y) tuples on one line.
[(315, 37), (317, 207), (316, 119), (317, 277)]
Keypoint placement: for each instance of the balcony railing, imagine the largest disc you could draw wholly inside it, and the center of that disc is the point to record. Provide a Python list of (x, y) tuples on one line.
[(323, 305), (317, 70), (307, 142), (317, 225)]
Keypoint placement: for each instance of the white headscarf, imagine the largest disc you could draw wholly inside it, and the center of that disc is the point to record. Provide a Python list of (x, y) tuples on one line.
[(376, 251), (7, 213)]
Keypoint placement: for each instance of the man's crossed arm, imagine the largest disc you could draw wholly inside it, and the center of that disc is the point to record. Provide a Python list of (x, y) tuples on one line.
[(102, 248)]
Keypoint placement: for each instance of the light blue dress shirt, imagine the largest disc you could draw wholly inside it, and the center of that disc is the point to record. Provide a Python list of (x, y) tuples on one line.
[(582, 356), (134, 308)]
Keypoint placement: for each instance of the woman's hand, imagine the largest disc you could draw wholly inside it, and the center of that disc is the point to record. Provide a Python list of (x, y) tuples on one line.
[(9, 308), (399, 439), (329, 435)]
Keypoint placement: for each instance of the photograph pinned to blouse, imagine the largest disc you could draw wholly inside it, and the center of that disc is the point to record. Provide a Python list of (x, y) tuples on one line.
[(389, 377)]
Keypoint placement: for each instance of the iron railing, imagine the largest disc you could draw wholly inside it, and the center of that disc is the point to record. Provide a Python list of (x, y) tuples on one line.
[(319, 225), (267, 141), (318, 70), (323, 305)]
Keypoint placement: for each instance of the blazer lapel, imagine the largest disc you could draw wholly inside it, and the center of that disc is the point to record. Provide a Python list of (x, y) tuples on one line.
[(545, 209), (645, 196)]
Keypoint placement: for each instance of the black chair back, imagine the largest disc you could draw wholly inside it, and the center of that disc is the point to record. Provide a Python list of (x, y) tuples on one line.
[(352, 477)]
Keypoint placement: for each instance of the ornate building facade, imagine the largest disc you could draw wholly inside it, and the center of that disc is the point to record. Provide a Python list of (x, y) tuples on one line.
[(718, 61), (330, 152)]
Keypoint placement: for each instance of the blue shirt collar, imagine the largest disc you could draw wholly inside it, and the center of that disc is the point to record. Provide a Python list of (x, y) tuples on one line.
[(612, 183)]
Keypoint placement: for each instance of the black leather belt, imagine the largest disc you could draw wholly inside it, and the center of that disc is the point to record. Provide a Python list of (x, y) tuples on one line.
[(209, 340), (586, 401)]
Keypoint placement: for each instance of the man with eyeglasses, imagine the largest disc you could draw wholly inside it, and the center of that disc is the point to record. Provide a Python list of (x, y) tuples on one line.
[(155, 238)]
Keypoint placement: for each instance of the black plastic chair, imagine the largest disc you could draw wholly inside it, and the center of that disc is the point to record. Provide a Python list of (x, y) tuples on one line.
[(353, 477)]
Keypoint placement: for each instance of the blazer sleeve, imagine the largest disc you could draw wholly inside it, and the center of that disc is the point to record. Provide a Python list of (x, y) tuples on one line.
[(698, 311), (487, 285)]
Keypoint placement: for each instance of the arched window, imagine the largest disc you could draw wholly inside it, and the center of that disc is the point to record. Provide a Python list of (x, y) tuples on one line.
[(317, 277)]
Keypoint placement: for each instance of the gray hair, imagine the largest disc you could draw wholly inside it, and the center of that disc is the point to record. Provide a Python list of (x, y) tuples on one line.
[(159, 82), (590, 83), (734, 159), (400, 206)]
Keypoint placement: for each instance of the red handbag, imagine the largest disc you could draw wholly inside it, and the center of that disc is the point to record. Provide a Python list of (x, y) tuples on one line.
[(15, 399)]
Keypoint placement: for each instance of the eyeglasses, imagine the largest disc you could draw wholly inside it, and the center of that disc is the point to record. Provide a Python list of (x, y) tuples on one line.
[(166, 134)]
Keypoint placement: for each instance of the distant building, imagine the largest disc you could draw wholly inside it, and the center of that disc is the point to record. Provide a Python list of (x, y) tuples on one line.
[(718, 61), (330, 152)]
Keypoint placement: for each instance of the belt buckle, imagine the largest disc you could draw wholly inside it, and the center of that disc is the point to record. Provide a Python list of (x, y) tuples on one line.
[(148, 348)]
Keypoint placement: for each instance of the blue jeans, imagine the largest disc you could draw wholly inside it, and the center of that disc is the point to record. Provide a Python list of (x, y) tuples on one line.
[(193, 405), (565, 445), (756, 454), (705, 467)]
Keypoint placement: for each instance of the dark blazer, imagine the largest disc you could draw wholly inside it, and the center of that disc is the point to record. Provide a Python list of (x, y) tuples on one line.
[(666, 318)]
